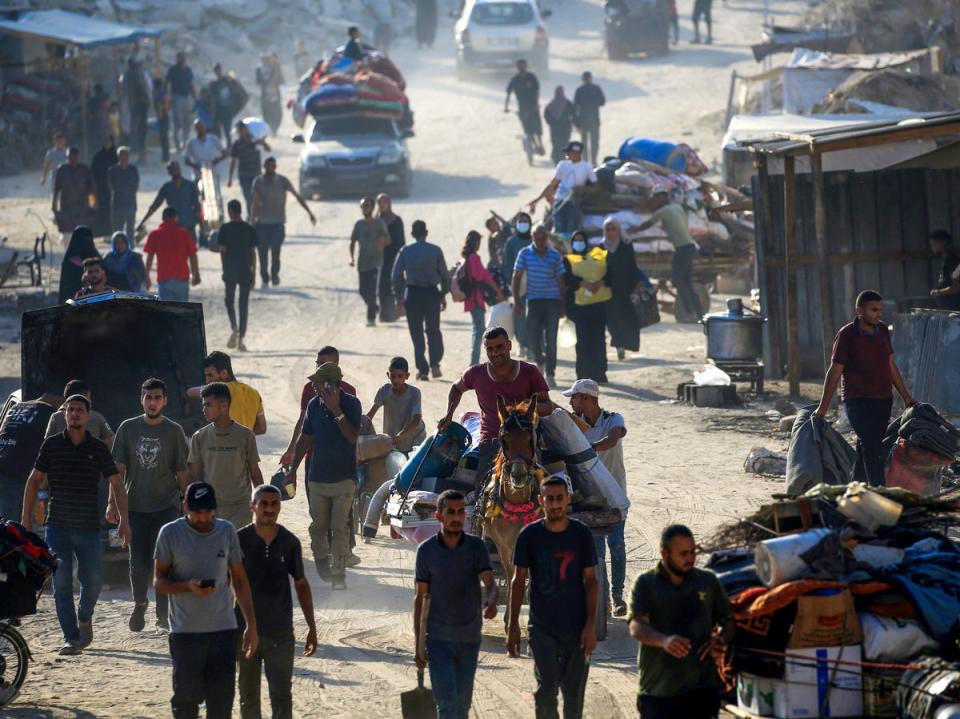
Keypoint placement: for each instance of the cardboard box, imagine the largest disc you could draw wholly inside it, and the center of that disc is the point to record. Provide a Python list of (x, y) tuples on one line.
[(826, 621), (815, 686), (755, 694)]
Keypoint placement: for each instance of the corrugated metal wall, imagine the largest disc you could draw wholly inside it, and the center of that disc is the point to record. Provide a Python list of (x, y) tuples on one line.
[(877, 228)]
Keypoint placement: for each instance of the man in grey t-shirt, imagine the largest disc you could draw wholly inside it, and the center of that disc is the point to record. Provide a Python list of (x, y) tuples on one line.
[(151, 455), (371, 234), (450, 567), (269, 215), (606, 431), (198, 560)]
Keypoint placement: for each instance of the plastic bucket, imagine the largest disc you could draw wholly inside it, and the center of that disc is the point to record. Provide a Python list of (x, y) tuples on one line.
[(867, 508), (778, 560), (439, 458)]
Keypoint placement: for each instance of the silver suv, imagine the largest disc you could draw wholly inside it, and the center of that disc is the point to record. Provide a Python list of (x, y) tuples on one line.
[(500, 32)]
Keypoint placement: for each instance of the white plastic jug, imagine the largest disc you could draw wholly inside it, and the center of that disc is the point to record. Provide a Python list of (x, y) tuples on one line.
[(867, 508), (566, 334)]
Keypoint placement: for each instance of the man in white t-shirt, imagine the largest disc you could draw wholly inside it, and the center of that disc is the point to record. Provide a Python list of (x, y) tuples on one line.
[(570, 174), (605, 432), (203, 149)]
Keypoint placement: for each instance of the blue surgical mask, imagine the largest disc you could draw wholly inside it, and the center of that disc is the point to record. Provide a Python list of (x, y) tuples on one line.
[(579, 246), (523, 227)]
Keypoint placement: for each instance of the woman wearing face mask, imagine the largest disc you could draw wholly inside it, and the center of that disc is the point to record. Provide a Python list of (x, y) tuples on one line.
[(623, 276), (587, 298), (511, 249)]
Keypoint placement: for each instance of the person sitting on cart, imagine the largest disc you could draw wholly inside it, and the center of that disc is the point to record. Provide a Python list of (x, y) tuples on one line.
[(571, 173), (402, 413)]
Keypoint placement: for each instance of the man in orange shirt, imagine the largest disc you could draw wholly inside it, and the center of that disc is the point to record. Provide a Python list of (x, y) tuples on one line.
[(176, 254)]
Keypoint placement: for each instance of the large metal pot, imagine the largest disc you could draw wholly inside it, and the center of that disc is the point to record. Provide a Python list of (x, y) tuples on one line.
[(734, 335)]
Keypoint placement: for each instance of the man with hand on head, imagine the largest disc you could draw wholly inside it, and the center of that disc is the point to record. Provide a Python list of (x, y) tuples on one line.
[(198, 561), (450, 567), (680, 615), (271, 556)]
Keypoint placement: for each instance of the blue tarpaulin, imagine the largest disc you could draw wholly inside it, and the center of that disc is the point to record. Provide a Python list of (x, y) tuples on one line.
[(69, 28)]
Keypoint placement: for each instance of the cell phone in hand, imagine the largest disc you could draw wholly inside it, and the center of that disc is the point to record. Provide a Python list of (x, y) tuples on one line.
[(328, 386), (208, 583)]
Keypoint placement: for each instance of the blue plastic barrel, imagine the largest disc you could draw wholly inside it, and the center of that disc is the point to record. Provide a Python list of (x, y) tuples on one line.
[(444, 454), (659, 152)]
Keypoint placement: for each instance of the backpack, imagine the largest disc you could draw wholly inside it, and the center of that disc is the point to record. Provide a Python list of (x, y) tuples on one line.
[(462, 285)]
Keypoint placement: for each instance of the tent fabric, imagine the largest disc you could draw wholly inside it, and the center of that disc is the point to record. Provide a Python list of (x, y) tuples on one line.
[(817, 454), (69, 28)]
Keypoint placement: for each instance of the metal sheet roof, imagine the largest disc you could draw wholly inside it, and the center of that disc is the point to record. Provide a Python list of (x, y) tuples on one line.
[(68, 28)]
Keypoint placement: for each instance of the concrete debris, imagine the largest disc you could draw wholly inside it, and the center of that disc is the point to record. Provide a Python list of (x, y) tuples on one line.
[(922, 93), (765, 462)]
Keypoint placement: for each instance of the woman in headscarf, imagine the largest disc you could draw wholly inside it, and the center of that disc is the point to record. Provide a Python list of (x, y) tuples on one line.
[(426, 22), (559, 116), (394, 223), (623, 275), (79, 248), (587, 298), (124, 266), (102, 161)]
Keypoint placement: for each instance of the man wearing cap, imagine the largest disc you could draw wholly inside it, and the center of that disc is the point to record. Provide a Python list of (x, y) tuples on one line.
[(331, 426), (559, 555), (272, 556), (605, 432), (198, 560), (419, 270), (570, 174), (672, 216), (225, 453), (71, 464)]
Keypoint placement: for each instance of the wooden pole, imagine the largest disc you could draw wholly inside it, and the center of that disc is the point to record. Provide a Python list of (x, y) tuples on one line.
[(770, 291), (790, 271), (826, 286)]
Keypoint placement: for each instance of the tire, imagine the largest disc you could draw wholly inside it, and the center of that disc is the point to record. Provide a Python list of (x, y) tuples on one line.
[(15, 659)]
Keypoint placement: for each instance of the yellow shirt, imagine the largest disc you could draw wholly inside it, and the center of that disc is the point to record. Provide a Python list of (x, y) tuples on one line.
[(245, 404), (592, 267)]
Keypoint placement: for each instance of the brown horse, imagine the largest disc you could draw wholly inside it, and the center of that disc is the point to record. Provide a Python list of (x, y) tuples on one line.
[(510, 496)]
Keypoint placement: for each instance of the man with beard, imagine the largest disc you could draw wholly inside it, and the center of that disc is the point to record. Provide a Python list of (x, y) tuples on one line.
[(272, 556), (94, 279), (679, 614), (268, 216), (447, 569), (559, 555), (150, 451)]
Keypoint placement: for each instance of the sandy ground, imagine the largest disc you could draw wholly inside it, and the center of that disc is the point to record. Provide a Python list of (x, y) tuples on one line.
[(684, 464)]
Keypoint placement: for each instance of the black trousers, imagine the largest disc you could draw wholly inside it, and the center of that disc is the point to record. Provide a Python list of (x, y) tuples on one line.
[(559, 663), (163, 129), (699, 704), (590, 137), (591, 324), (204, 669), (230, 289), (681, 275), (423, 315), (144, 529), (388, 306), (275, 654), (869, 418), (368, 291), (543, 319)]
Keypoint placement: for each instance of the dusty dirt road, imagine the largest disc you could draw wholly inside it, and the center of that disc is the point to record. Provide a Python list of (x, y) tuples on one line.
[(683, 464)]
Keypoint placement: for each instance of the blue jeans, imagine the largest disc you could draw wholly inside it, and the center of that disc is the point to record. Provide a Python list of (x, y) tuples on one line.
[(477, 314), (11, 498), (453, 666), (520, 323), (174, 290), (618, 558), (543, 320), (566, 218), (246, 187), (66, 543)]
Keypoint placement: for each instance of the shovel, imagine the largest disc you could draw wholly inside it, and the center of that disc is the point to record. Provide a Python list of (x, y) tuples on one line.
[(419, 703)]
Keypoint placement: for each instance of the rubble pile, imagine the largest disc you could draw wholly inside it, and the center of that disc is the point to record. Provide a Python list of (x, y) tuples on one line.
[(884, 25), (922, 93)]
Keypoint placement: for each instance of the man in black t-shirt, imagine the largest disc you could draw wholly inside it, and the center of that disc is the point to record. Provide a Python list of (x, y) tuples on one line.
[(21, 435), (245, 158), (527, 89), (238, 256), (561, 558), (71, 463), (272, 554)]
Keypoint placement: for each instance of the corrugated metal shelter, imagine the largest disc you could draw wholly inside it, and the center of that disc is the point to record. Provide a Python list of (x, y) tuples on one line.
[(824, 236), (73, 29)]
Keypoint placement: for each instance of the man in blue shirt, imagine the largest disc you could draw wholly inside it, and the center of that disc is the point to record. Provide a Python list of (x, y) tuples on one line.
[(331, 427), (543, 267)]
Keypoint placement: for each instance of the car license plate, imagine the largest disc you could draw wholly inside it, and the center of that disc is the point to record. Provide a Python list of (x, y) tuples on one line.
[(504, 42)]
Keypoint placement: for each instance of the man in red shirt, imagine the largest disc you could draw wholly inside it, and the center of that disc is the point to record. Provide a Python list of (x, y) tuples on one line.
[(862, 363), (176, 259), (514, 380)]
